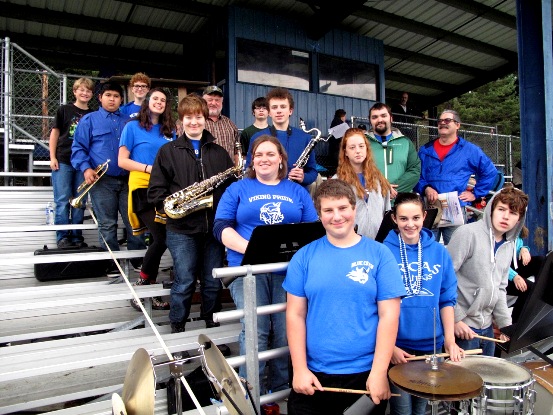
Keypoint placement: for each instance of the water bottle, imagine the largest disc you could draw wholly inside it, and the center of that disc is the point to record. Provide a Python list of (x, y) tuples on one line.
[(49, 213)]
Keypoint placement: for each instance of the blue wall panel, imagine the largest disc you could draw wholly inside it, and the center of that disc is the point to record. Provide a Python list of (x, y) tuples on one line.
[(316, 109)]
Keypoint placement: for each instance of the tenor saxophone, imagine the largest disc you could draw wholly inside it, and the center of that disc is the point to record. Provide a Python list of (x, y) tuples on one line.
[(304, 156), (200, 195)]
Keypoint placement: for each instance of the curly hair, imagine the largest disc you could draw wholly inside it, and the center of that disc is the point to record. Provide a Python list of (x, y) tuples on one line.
[(140, 77), (516, 199), (280, 93), (165, 119), (373, 176)]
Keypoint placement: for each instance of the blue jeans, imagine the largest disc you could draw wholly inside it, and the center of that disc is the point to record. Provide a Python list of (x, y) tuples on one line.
[(65, 181), (109, 196), (194, 256), (488, 347), (445, 232), (268, 291), (407, 404)]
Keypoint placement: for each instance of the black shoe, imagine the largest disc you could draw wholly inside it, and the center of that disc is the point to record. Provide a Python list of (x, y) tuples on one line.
[(177, 327), (80, 244), (64, 243), (182, 355), (210, 324), (224, 349)]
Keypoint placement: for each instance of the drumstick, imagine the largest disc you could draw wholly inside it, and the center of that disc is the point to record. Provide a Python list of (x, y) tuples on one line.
[(357, 391), (490, 339), (474, 351)]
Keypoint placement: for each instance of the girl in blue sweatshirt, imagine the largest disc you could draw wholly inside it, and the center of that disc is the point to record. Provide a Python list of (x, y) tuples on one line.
[(430, 282)]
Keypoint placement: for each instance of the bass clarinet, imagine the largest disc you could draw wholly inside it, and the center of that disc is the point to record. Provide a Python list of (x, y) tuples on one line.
[(304, 156)]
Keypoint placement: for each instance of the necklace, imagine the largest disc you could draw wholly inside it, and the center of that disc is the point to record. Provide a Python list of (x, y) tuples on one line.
[(409, 286)]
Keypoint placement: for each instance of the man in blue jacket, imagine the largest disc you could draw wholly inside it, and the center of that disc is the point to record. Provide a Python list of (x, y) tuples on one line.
[(447, 164), (96, 140)]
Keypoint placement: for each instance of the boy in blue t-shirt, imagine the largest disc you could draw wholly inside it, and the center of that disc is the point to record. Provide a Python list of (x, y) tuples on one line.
[(342, 311)]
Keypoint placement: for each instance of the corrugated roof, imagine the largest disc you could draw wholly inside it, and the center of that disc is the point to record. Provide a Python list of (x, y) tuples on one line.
[(428, 44)]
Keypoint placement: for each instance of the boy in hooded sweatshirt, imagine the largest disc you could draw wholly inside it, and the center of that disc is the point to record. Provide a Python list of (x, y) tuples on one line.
[(482, 253)]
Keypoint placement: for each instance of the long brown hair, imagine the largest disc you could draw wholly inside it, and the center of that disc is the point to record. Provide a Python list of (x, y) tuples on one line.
[(372, 175)]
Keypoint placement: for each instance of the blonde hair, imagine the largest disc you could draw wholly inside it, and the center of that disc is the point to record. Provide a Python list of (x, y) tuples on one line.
[(84, 82), (373, 176)]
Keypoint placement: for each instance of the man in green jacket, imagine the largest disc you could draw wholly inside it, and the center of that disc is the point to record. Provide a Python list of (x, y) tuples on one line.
[(394, 154)]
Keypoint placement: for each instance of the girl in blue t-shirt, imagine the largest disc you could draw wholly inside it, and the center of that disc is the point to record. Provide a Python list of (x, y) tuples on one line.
[(431, 284), (140, 141)]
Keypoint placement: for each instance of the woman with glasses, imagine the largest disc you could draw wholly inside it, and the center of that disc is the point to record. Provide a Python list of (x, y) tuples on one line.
[(356, 167), (140, 141)]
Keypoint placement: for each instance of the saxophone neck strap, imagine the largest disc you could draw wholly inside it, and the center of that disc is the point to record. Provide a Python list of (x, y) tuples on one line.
[(273, 131)]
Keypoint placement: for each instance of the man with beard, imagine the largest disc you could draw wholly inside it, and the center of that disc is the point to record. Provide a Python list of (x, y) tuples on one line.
[(394, 154), (221, 127), (447, 164)]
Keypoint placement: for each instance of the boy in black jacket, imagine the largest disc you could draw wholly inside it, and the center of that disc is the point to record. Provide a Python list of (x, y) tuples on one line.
[(191, 158)]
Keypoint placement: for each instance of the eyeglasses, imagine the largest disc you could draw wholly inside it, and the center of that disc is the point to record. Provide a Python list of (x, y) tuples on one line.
[(140, 86), (446, 120)]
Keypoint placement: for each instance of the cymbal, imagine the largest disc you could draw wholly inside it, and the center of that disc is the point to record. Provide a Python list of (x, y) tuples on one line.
[(139, 388), (445, 382), (117, 405), (225, 378)]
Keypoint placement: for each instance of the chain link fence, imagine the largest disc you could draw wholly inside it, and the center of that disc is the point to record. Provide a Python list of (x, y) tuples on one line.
[(503, 150)]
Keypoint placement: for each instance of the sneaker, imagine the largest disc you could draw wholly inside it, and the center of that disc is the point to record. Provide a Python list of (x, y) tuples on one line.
[(113, 271), (159, 304), (134, 303), (64, 243)]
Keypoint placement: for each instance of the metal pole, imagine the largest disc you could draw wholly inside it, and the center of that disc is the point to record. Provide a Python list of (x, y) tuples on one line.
[(64, 90), (7, 92), (250, 323)]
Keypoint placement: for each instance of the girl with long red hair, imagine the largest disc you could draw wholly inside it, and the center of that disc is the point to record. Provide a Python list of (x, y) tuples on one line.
[(356, 167)]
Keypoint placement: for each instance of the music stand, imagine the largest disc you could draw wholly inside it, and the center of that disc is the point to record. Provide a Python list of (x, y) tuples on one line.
[(278, 243), (388, 224)]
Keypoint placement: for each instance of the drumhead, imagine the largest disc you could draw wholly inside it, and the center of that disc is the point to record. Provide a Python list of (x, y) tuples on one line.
[(495, 371)]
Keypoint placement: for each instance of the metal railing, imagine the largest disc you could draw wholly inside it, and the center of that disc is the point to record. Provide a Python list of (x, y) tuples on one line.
[(249, 315)]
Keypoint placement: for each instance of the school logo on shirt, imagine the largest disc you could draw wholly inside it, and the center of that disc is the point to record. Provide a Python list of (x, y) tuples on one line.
[(270, 213), (361, 271)]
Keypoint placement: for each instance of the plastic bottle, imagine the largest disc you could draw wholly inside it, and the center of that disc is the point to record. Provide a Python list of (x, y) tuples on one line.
[(49, 213)]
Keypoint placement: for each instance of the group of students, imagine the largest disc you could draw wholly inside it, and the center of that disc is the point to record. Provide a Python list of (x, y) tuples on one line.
[(353, 305)]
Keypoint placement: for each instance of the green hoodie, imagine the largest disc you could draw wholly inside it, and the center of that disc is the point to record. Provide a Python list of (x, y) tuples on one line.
[(398, 161)]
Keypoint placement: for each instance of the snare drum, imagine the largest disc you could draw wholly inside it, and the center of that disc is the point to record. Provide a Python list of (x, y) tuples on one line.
[(508, 388)]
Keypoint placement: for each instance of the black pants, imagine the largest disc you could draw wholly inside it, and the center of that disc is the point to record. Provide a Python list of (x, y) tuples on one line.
[(331, 403), (525, 271), (157, 247)]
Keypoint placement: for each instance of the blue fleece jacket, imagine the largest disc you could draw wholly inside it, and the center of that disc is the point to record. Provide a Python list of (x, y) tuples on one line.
[(438, 290), (453, 173)]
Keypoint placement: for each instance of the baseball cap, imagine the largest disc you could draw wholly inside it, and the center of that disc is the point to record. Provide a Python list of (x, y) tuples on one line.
[(213, 89)]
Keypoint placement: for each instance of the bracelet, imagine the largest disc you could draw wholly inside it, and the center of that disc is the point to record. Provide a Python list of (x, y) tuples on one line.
[(146, 168)]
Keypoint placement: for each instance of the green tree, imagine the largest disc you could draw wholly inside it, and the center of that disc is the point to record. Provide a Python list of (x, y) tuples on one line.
[(493, 104)]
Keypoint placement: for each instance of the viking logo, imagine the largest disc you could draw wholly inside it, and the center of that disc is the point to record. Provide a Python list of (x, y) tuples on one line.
[(270, 213), (359, 274)]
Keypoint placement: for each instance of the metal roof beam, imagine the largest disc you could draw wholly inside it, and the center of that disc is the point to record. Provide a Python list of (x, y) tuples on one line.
[(483, 11), (457, 90), (416, 57), (327, 16), (194, 8), (35, 14), (71, 53), (416, 80), (409, 25)]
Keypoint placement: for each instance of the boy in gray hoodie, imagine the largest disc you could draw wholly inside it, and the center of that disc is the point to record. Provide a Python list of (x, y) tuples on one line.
[(482, 252)]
